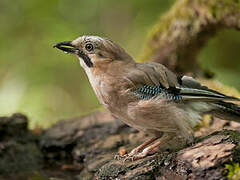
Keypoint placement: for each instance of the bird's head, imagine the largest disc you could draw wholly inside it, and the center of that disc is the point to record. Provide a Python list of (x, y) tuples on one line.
[(94, 50)]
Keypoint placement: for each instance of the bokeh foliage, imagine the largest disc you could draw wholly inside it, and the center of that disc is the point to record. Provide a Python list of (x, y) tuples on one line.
[(48, 85)]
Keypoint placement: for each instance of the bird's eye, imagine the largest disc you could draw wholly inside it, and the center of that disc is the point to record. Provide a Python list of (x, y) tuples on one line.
[(89, 47)]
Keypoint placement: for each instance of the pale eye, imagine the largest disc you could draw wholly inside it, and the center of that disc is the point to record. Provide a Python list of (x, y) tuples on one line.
[(89, 47)]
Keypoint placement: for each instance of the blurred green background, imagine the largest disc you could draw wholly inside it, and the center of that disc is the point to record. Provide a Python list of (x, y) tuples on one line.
[(48, 85)]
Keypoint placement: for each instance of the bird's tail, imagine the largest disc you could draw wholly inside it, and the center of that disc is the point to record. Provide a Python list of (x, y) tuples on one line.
[(227, 110)]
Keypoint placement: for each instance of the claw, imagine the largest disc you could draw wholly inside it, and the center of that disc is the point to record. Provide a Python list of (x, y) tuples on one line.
[(119, 157), (142, 151), (129, 158)]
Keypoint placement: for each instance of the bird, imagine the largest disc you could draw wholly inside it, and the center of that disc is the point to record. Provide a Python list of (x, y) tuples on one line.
[(147, 96)]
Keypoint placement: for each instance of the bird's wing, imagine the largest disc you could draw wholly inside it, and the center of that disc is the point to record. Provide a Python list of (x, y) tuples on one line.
[(147, 92), (153, 79), (152, 74)]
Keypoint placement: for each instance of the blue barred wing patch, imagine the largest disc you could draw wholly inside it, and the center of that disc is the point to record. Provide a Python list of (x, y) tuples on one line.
[(147, 92)]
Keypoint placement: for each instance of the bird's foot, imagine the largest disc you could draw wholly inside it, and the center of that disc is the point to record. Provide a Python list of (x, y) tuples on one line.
[(140, 155), (128, 155), (142, 151), (119, 157)]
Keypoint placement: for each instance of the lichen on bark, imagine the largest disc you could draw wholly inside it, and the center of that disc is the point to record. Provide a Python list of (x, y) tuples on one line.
[(181, 33)]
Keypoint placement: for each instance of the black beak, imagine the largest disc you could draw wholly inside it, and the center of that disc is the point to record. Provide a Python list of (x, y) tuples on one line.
[(66, 46)]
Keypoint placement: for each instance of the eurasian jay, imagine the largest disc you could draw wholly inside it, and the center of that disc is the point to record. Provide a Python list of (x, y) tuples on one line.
[(147, 96)]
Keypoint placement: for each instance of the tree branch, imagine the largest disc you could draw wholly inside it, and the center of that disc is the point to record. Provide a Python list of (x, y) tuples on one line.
[(177, 38)]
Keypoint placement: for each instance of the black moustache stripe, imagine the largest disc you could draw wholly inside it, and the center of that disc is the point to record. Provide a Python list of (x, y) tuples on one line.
[(86, 59)]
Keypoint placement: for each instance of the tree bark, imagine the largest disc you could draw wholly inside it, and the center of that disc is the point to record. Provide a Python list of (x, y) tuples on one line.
[(180, 34), (84, 148)]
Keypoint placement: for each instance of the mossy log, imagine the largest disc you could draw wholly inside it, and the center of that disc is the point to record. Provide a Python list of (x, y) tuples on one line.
[(94, 146), (178, 37), (85, 147)]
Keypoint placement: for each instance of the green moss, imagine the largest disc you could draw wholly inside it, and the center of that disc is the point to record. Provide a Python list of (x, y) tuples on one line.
[(179, 10), (109, 171), (214, 10), (234, 135), (233, 171), (219, 9)]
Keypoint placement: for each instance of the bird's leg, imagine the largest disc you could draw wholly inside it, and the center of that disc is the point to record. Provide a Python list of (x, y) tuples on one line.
[(147, 151), (137, 149), (142, 146), (152, 149)]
